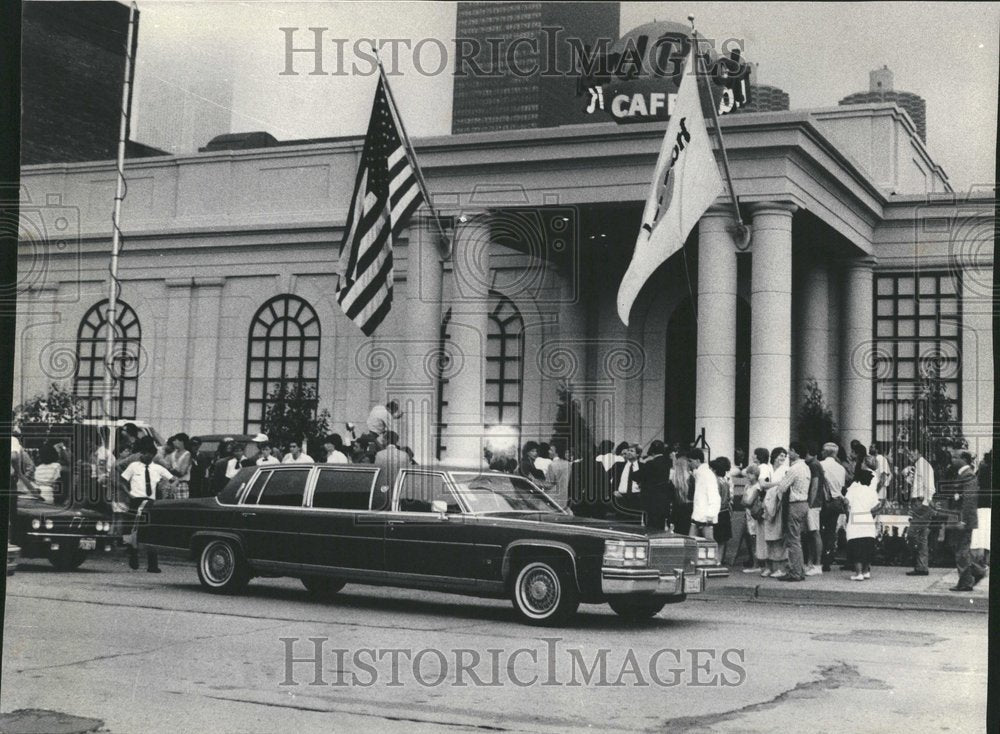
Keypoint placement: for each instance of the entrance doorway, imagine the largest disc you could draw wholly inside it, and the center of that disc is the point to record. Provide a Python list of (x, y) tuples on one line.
[(679, 386), (681, 375)]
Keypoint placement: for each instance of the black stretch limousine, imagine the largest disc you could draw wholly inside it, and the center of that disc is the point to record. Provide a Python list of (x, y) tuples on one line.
[(441, 528)]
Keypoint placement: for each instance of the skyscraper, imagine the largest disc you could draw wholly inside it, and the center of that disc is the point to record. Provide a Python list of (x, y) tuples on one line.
[(528, 37), (880, 89)]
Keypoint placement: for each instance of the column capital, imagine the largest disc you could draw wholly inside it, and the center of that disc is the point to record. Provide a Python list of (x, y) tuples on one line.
[(718, 209), (773, 207), (865, 262)]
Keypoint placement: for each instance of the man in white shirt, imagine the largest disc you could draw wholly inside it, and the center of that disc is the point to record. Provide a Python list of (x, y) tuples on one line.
[(921, 510), (265, 457), (143, 478), (836, 478), (295, 455), (333, 445), (707, 500), (383, 418)]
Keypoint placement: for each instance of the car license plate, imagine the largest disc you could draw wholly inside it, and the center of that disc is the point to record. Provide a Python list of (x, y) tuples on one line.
[(87, 544), (692, 584)]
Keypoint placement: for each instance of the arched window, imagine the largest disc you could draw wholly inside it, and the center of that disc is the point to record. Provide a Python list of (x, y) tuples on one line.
[(283, 348), (504, 364), (91, 347)]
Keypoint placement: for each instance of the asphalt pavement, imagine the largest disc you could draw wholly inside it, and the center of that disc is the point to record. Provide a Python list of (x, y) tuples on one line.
[(112, 650)]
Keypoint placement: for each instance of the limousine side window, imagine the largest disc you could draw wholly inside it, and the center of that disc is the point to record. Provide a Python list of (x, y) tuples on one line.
[(337, 489), (284, 489), (253, 494), (418, 490)]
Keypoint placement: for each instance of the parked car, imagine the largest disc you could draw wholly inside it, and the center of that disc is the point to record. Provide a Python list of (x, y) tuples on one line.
[(64, 534), (451, 529)]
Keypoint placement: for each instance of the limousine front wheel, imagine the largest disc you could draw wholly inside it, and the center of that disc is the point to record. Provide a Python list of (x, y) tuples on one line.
[(221, 568), (544, 594)]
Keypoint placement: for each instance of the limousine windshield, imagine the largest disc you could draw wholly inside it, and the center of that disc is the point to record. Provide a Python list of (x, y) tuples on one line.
[(486, 493)]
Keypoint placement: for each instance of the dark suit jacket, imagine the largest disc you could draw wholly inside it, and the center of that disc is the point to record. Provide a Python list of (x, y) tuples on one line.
[(967, 487), (654, 485), (630, 501)]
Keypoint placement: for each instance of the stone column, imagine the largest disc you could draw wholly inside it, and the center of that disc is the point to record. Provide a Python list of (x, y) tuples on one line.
[(172, 335), (813, 360), (417, 385), (770, 327), (715, 396), (470, 303), (858, 354), (835, 341), (204, 369)]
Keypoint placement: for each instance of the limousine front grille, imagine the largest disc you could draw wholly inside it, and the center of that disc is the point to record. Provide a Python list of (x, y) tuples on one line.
[(665, 556)]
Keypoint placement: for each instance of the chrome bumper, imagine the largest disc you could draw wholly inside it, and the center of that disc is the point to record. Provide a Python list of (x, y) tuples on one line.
[(651, 581)]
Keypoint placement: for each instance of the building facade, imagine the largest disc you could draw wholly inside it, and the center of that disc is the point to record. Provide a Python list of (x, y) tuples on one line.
[(229, 285)]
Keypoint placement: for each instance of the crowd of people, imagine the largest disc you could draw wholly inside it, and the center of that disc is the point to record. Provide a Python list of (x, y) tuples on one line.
[(797, 507), (800, 505)]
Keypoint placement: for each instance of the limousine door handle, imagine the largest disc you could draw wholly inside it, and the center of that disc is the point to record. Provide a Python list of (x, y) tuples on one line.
[(249, 514)]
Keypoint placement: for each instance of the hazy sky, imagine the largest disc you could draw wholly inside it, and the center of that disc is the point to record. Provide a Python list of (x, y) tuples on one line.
[(227, 57)]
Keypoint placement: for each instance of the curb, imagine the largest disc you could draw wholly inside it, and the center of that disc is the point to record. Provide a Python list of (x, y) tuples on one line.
[(951, 602)]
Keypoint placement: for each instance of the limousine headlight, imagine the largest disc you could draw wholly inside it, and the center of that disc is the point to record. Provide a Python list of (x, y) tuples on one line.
[(49, 524), (36, 524), (623, 553)]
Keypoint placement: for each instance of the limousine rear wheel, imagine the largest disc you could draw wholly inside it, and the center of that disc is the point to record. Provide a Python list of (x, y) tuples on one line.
[(544, 593), (221, 568), (638, 608), (322, 587)]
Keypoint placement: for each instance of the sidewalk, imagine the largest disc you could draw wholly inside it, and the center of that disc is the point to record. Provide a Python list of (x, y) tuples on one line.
[(888, 588)]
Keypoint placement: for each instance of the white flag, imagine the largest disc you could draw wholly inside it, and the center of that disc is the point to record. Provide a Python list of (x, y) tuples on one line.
[(685, 184)]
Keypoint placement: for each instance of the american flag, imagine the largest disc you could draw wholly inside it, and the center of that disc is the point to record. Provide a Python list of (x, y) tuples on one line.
[(386, 193)]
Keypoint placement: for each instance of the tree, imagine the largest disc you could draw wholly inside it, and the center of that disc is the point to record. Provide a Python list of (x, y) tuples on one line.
[(572, 430), (292, 413), (55, 406), (932, 426), (815, 420)]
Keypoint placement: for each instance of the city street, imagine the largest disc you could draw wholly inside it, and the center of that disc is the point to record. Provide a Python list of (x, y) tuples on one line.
[(136, 652)]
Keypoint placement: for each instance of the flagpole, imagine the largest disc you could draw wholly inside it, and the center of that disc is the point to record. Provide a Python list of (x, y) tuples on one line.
[(114, 287), (409, 153), (742, 230)]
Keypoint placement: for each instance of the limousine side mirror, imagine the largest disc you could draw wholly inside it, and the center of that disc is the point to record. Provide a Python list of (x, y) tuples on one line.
[(440, 507)]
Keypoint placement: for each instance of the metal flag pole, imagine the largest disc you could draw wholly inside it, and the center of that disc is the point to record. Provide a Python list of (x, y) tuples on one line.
[(742, 230), (114, 287), (410, 154)]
